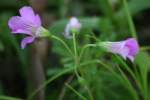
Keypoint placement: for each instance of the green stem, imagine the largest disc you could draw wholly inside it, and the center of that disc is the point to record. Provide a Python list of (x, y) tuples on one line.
[(84, 48), (145, 48), (9, 98), (49, 81), (130, 71), (66, 46), (129, 85), (90, 93), (76, 56), (129, 19), (76, 92), (74, 45), (62, 72), (127, 82)]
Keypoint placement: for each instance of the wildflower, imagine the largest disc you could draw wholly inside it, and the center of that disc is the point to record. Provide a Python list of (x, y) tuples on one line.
[(127, 48), (73, 26), (29, 24)]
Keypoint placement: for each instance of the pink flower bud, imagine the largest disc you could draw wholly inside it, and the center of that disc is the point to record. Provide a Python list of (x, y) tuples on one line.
[(73, 24)]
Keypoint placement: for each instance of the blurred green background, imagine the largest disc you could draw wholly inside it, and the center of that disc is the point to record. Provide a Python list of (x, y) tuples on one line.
[(103, 19)]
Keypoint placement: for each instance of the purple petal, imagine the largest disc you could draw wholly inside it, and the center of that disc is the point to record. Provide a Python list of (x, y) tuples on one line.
[(37, 20), (18, 25), (124, 52), (27, 13), (26, 41), (133, 46)]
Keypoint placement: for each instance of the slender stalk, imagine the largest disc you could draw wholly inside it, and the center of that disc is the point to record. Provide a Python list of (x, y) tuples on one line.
[(63, 90), (129, 19), (76, 92), (125, 66), (9, 98), (65, 71), (77, 61), (74, 45), (84, 48), (49, 81), (125, 81), (144, 48), (65, 45), (129, 85), (76, 56), (130, 72), (90, 93)]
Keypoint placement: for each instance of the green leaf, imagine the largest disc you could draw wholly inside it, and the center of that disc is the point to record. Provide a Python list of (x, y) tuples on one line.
[(135, 6), (143, 62)]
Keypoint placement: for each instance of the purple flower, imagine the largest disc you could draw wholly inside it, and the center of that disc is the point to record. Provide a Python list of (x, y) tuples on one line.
[(73, 25), (127, 49), (27, 23)]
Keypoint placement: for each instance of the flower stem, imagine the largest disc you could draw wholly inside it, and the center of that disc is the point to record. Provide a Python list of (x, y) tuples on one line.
[(84, 48), (76, 55), (144, 48), (66, 46), (76, 92), (9, 98)]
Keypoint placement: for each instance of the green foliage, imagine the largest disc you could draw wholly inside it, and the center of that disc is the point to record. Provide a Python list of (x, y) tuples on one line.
[(97, 75)]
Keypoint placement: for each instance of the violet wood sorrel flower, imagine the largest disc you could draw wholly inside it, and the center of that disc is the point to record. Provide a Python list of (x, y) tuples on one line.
[(29, 24), (73, 26), (127, 48)]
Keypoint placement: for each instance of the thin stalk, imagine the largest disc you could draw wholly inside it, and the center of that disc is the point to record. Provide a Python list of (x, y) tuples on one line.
[(76, 92), (84, 48), (130, 72), (49, 81), (133, 92), (9, 98), (63, 72), (90, 94), (129, 86), (76, 56), (65, 45), (77, 61), (129, 19), (144, 48), (125, 66)]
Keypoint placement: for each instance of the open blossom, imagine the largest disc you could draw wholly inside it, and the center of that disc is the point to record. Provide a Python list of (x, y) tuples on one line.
[(73, 24), (27, 23), (127, 48)]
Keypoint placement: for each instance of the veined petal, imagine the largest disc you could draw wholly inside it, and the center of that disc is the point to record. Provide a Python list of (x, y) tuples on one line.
[(26, 41), (18, 25)]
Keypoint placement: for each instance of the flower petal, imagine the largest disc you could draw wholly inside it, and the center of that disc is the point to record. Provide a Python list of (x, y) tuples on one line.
[(67, 32), (37, 20), (18, 25), (27, 13), (26, 41), (133, 46), (124, 52), (131, 58)]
